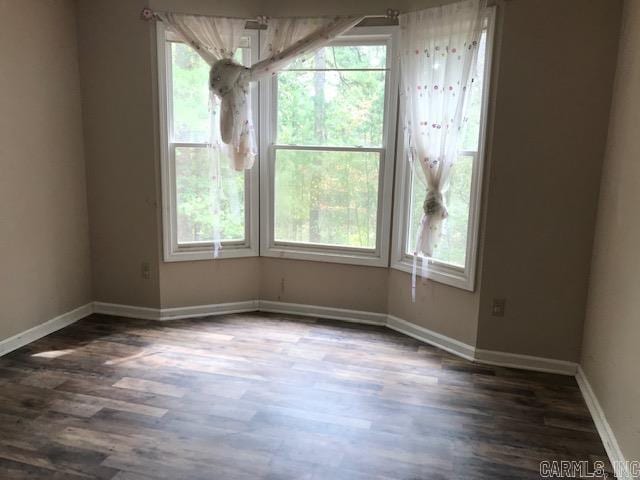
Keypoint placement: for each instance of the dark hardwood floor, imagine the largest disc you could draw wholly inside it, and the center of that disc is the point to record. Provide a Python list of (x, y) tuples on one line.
[(275, 397)]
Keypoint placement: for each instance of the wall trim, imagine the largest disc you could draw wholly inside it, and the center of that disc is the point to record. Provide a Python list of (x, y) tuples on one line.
[(526, 362), (35, 333), (602, 425), (352, 316), (174, 313), (128, 311), (444, 342), (436, 339)]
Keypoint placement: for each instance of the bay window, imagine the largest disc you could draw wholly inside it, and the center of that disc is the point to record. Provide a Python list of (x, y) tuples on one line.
[(322, 186)]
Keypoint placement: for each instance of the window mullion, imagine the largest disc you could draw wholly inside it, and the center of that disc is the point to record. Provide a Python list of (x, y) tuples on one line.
[(328, 148)]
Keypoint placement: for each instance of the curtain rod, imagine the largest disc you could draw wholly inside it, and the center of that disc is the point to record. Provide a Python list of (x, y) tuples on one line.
[(261, 20), (390, 17)]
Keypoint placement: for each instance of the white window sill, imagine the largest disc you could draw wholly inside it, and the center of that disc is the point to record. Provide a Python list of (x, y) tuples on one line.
[(349, 257), (200, 252), (438, 272), (451, 275)]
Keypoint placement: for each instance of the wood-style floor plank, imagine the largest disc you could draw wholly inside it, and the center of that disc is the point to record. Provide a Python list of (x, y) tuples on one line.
[(266, 396)]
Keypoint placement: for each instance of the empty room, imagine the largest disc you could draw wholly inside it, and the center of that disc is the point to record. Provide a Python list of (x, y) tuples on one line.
[(289, 239)]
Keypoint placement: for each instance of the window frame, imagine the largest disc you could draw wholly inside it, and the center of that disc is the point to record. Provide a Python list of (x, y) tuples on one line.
[(439, 271), (173, 250), (379, 256)]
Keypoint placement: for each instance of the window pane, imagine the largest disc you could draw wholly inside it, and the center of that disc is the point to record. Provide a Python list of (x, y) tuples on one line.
[(193, 197), (344, 56), (328, 198), (339, 108), (471, 128), (190, 93), (452, 247)]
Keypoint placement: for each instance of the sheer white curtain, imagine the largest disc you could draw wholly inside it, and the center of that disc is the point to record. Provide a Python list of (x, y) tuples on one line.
[(438, 61), (216, 40), (288, 38)]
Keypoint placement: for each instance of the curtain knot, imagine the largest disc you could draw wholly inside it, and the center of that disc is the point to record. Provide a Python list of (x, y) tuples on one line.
[(225, 74), (434, 206)]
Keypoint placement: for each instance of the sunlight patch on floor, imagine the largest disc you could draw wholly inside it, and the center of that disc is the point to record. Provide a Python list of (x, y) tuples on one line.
[(53, 353)]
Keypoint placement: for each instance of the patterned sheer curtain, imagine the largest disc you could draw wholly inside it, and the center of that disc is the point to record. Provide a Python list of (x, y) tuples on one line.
[(439, 49)]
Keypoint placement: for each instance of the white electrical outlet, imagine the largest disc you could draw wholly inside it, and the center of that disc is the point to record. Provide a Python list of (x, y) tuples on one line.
[(145, 270), (498, 307)]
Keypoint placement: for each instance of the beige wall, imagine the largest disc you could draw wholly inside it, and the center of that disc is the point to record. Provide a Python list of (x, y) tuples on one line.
[(116, 63), (549, 137), (235, 8), (326, 284), (555, 75), (44, 241), (610, 354), (209, 282), (443, 309)]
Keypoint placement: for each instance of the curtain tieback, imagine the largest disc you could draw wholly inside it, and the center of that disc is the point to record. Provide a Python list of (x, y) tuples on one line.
[(228, 80), (225, 74), (433, 205)]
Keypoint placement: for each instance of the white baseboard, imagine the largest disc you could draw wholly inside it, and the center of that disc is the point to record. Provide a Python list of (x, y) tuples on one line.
[(21, 339), (206, 310), (174, 313), (353, 316), (128, 311), (487, 357), (436, 339), (526, 362), (439, 340), (456, 347), (602, 425)]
